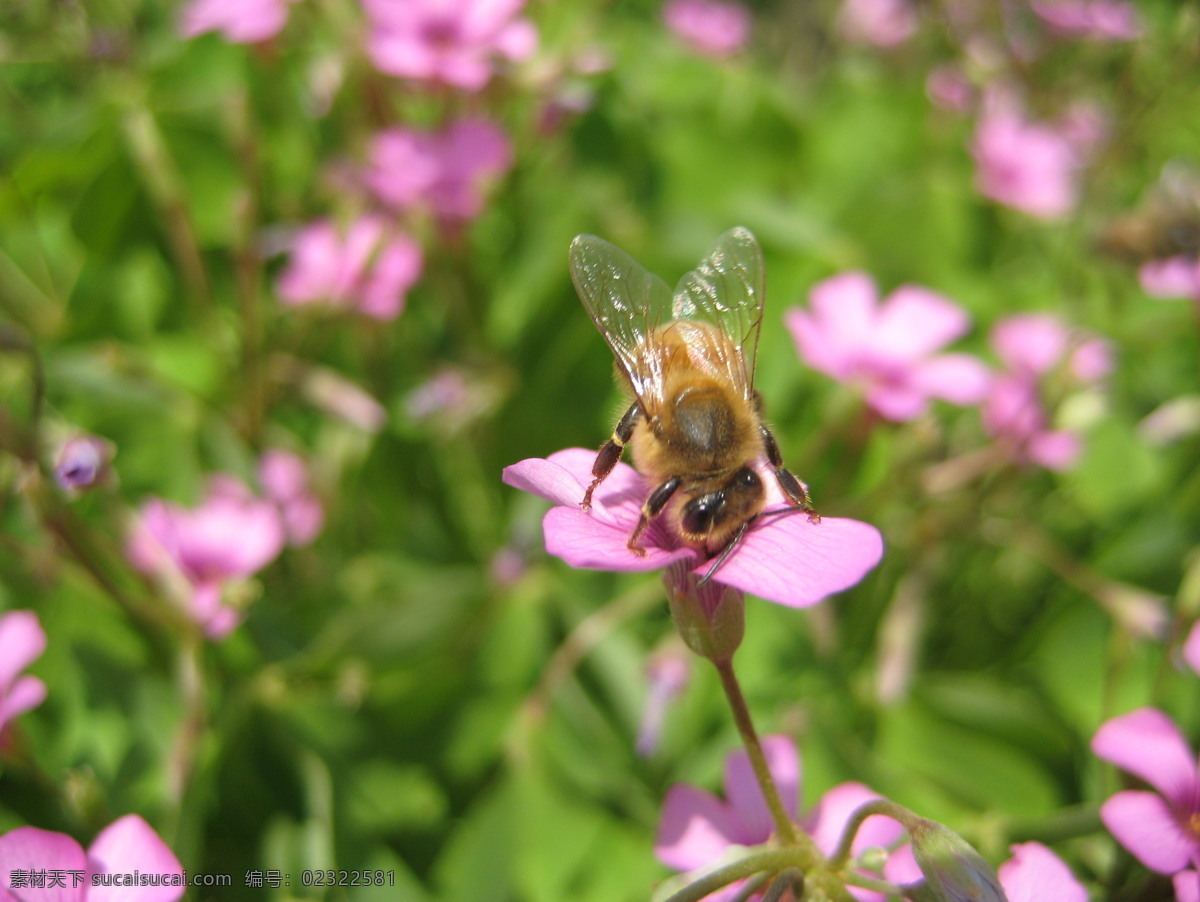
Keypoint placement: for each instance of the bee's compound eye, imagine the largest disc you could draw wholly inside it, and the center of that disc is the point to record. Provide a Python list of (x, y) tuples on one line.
[(698, 514), (746, 479)]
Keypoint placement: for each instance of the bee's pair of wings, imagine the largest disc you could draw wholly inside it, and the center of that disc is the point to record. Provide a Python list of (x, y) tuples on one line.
[(628, 305)]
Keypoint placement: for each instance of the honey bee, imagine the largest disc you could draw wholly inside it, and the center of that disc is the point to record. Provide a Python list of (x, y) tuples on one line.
[(1167, 223), (688, 359)]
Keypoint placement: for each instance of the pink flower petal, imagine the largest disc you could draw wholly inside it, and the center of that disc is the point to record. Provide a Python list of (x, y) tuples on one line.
[(127, 845), (833, 811), (1187, 886), (696, 828), (793, 562), (845, 307), (1034, 874), (1055, 450), (22, 641), (814, 347), (897, 402), (32, 849), (1032, 342), (1191, 648), (745, 796), (554, 478), (1176, 277), (26, 693), (914, 322), (709, 27), (1143, 824), (583, 540), (957, 378), (1147, 744)]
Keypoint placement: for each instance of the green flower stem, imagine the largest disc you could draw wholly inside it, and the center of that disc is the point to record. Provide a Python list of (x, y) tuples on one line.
[(162, 181), (741, 716), (879, 886), (247, 260), (769, 861), (841, 855)]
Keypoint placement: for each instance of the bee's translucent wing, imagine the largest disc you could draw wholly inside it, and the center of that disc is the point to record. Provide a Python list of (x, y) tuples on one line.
[(727, 290), (627, 304)]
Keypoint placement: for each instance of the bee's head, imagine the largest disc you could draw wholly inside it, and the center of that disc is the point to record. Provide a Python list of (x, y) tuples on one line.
[(709, 521)]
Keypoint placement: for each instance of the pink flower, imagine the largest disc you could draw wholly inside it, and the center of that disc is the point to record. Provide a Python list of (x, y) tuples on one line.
[(697, 827), (240, 21), (1191, 647), (339, 397), (1187, 886), (447, 41), (1173, 277), (667, 676), (82, 462), (1097, 20), (709, 27), (887, 349), (884, 23), (1039, 351), (230, 535), (445, 171), (949, 88), (369, 268), (22, 641), (783, 559), (1035, 874), (1030, 166), (285, 480), (1157, 827), (101, 874)]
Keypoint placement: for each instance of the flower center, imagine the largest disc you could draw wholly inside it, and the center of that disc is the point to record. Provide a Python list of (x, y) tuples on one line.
[(441, 31)]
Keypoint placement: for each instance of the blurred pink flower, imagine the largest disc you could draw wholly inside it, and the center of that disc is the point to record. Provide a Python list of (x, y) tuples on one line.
[(446, 390), (667, 674), (1187, 886), (887, 348), (369, 268), (22, 641), (1173, 277), (449, 41), (240, 21), (444, 171), (949, 88), (230, 535), (1039, 352), (884, 23), (1030, 166), (1191, 647), (715, 28), (783, 559), (697, 827), (1035, 874), (1157, 827), (1097, 20), (126, 846), (338, 396), (285, 481), (82, 462)]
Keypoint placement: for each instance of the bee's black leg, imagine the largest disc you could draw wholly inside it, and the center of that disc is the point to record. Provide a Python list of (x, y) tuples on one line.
[(610, 451), (796, 490), (652, 508)]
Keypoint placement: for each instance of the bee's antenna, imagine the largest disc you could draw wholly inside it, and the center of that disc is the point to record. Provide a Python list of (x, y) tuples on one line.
[(741, 533)]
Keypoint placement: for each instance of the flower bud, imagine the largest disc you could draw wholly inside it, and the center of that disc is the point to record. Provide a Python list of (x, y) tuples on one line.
[(711, 618), (82, 462), (954, 871)]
